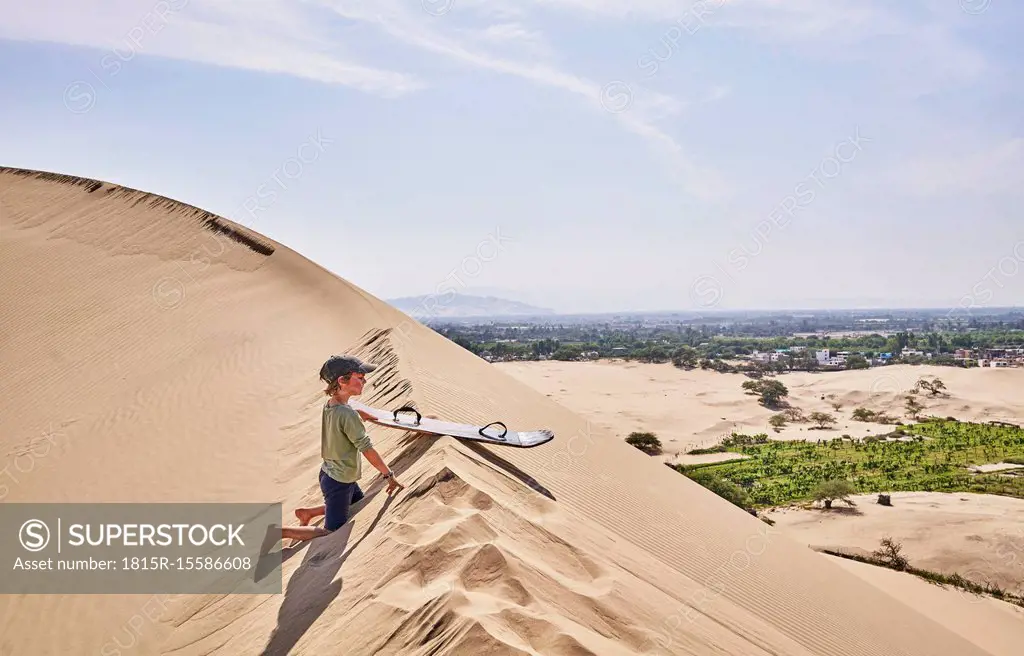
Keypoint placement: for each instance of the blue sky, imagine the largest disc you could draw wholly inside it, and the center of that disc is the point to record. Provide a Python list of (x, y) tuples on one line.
[(584, 155)]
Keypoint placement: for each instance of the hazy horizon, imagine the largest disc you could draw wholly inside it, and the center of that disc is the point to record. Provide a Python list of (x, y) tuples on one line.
[(434, 304), (588, 156)]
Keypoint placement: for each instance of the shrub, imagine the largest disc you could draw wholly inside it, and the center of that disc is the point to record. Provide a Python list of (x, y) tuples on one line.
[(646, 442), (884, 499), (890, 554)]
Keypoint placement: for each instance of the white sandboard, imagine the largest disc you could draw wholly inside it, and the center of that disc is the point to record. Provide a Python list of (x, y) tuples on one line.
[(493, 433)]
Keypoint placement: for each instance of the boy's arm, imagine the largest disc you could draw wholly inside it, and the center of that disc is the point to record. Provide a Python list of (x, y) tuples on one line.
[(356, 432), (378, 462)]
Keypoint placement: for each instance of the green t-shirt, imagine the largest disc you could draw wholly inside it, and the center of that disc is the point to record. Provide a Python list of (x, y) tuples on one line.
[(343, 438)]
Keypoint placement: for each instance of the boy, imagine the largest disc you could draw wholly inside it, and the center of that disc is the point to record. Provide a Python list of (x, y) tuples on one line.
[(342, 439)]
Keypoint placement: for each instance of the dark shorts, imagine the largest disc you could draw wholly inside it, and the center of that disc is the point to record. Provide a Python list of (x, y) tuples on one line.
[(338, 497)]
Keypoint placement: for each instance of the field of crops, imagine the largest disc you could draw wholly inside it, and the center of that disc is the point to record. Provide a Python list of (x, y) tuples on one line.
[(931, 456)]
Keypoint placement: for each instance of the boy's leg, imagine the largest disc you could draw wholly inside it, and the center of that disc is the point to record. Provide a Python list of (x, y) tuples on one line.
[(338, 499), (306, 515), (338, 496), (303, 533)]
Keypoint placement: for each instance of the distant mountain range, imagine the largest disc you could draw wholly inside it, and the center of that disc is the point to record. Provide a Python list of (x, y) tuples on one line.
[(447, 305)]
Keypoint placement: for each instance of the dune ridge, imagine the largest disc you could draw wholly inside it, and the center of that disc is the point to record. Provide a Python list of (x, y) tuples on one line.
[(209, 393)]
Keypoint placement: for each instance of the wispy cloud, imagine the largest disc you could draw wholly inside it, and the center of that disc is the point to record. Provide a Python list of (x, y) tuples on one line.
[(318, 40), (920, 33), (645, 109), (274, 36), (310, 39)]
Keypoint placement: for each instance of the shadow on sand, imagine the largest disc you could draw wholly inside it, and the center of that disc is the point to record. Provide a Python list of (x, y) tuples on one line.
[(312, 587), (416, 444), (846, 511), (504, 465)]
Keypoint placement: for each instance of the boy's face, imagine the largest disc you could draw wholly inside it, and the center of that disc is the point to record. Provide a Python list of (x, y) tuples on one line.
[(354, 385)]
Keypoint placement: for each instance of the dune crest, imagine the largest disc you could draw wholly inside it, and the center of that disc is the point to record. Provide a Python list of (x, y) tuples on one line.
[(177, 377)]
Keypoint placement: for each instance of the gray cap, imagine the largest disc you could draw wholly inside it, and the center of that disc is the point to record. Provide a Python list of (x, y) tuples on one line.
[(343, 365)]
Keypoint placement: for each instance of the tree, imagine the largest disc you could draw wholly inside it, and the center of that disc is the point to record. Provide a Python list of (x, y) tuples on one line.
[(857, 361), (934, 387), (913, 407), (794, 414), (567, 352), (823, 419), (777, 421), (685, 357), (771, 391), (838, 489), (863, 414), (646, 442)]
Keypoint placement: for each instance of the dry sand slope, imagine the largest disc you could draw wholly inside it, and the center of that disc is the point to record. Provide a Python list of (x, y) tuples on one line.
[(687, 409), (171, 363), (993, 625)]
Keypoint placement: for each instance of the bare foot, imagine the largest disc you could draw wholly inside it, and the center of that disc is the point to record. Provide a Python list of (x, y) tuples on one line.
[(304, 515)]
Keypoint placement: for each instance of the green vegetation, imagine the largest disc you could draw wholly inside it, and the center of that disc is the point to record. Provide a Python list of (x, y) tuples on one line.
[(929, 456), (646, 442), (732, 443), (724, 488), (718, 345), (857, 361)]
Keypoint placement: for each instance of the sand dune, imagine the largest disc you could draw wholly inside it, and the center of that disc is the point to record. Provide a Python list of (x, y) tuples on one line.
[(689, 409), (165, 354)]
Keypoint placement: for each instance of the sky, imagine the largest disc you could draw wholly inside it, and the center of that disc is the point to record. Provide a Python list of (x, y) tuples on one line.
[(579, 155)]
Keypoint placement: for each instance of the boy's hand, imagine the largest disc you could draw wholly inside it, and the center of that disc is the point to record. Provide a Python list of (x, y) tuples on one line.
[(394, 485), (367, 416)]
